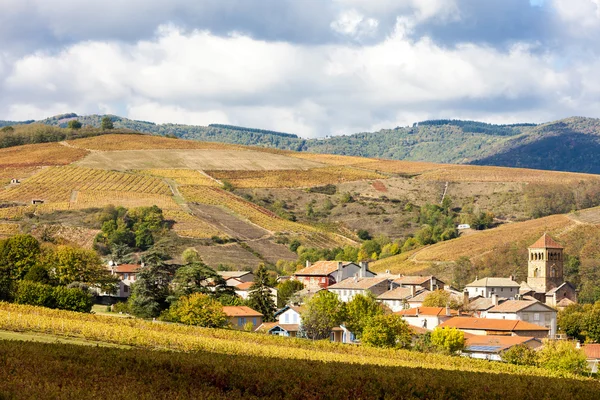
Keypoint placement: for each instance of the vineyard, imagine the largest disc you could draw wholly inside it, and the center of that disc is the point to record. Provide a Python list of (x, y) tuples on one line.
[(142, 142), (181, 176), (187, 225), (9, 229), (33, 155), (294, 178), (258, 215), (207, 363)]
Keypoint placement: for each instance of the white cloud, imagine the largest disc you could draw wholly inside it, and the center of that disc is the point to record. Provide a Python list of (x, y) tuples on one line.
[(353, 23)]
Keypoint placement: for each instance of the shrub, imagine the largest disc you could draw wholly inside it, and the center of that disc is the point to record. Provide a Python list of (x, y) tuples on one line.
[(120, 307), (562, 356), (520, 355), (198, 309), (448, 340), (72, 299), (35, 294), (386, 331)]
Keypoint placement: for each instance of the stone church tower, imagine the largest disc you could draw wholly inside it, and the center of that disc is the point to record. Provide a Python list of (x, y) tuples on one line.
[(545, 265)]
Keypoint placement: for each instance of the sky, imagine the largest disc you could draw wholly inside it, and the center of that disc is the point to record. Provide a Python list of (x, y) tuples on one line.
[(311, 67)]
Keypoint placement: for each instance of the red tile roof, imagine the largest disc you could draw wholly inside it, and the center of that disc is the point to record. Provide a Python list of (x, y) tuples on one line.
[(592, 351), (358, 283), (322, 268), (546, 242), (244, 286), (240, 311), (488, 324), (412, 312), (127, 268), (398, 293)]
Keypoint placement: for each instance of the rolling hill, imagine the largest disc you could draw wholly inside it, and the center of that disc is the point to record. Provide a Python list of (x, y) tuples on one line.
[(442, 141)]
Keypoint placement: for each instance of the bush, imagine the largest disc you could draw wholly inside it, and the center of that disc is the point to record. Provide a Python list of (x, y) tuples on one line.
[(448, 340), (520, 355), (562, 356), (198, 309), (120, 307), (35, 294), (72, 299), (364, 234), (386, 331)]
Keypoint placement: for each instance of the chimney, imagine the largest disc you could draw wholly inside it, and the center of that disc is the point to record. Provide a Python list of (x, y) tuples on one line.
[(431, 284), (465, 298), (413, 290), (417, 311), (340, 272), (447, 310), (512, 277), (363, 269), (307, 263), (446, 287), (495, 299)]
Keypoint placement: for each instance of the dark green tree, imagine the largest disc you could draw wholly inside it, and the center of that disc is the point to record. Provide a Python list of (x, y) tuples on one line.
[(286, 289), (197, 277), (324, 311), (150, 291), (260, 297), (74, 124), (359, 311), (107, 123)]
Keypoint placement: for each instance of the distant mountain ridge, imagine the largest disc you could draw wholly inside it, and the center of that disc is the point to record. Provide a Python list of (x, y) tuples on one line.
[(570, 144)]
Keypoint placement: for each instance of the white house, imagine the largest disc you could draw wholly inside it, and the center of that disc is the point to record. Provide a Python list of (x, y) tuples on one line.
[(348, 288), (485, 287), (396, 299), (531, 311), (323, 274), (289, 322), (243, 290), (427, 317)]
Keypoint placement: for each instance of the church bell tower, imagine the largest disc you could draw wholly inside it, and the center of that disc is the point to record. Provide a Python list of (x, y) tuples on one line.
[(545, 265)]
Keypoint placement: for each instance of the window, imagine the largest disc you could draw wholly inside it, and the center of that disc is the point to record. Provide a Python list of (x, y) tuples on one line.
[(125, 289), (525, 317), (286, 318), (254, 321), (125, 276), (502, 289), (536, 316), (241, 321)]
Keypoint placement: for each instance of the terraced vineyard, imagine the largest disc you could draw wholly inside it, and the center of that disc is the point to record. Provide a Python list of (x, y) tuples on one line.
[(294, 178), (33, 155), (187, 225), (181, 176), (143, 142)]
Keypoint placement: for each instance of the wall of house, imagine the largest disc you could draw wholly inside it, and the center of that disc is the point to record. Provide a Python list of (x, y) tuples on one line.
[(289, 317), (425, 321), (507, 292), (545, 318), (395, 305), (239, 322)]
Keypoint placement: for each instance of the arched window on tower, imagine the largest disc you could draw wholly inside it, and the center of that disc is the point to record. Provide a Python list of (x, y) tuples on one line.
[(553, 272), (536, 272)]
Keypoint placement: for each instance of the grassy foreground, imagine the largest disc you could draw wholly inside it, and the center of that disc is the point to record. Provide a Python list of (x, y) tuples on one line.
[(205, 363)]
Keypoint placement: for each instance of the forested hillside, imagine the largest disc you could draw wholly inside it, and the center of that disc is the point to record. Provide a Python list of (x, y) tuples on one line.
[(566, 145)]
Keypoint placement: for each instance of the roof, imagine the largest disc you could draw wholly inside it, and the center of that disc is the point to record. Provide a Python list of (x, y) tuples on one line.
[(322, 268), (417, 330), (413, 312), (592, 351), (266, 326), (565, 302), (494, 344), (494, 282), (288, 327), (489, 324), (298, 309), (398, 293), (358, 283), (483, 303), (127, 268), (546, 242), (419, 297), (244, 286), (414, 279), (513, 306), (240, 311), (233, 274), (556, 289)]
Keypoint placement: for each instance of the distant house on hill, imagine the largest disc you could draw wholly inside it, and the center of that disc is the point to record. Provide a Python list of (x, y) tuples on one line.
[(239, 316), (496, 327), (323, 274), (427, 317), (350, 287), (243, 290), (492, 347)]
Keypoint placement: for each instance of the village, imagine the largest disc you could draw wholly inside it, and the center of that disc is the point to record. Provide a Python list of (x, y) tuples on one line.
[(494, 314)]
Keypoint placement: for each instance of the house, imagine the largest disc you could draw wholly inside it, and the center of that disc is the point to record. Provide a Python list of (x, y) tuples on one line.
[(243, 290), (463, 226), (341, 334), (348, 288), (323, 274), (477, 306), (289, 321), (397, 298), (127, 274), (486, 287), (492, 347), (418, 299), (531, 311), (592, 354), (239, 316), (428, 282), (499, 327), (545, 268), (234, 278), (15, 181), (37, 201), (427, 317)]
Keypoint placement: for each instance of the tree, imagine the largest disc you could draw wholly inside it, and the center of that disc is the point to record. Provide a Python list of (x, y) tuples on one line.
[(150, 291), (260, 297), (562, 356), (286, 289), (386, 331), (520, 355), (441, 298), (363, 234), (448, 340), (324, 311), (74, 124), (197, 277), (359, 311), (107, 123), (198, 309), (461, 272), (69, 264), (190, 255), (18, 254)]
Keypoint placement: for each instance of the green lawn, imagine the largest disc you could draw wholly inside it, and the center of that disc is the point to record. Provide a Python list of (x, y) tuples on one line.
[(100, 309)]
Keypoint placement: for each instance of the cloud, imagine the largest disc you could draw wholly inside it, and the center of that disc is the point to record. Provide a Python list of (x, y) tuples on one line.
[(342, 67)]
